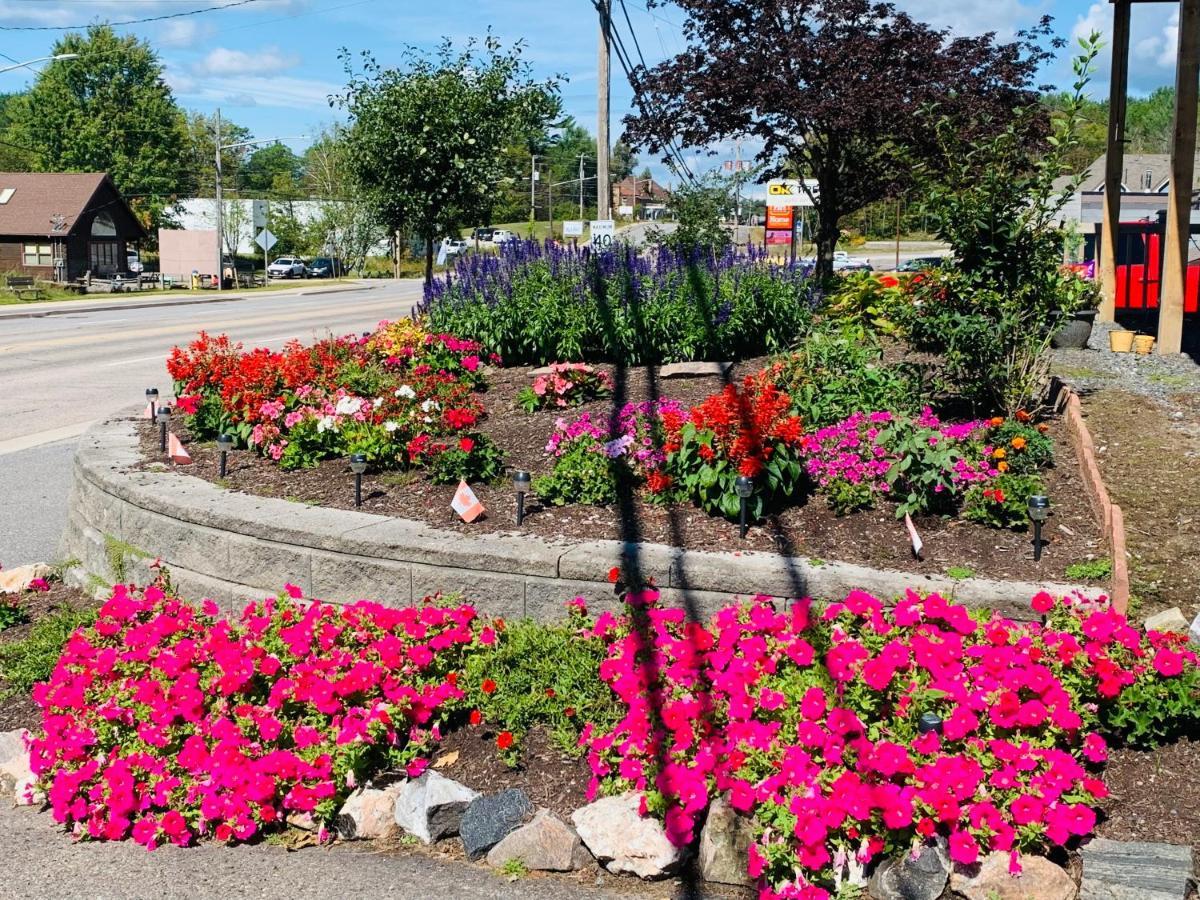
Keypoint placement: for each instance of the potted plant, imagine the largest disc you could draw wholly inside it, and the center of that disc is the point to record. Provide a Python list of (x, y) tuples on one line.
[(1072, 322)]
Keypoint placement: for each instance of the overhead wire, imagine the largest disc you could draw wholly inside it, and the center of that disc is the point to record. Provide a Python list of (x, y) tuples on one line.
[(159, 18)]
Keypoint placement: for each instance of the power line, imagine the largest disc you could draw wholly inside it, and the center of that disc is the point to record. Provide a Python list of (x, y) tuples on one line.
[(160, 18)]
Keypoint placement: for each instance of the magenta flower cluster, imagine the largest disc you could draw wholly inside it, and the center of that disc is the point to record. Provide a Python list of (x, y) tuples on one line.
[(636, 433)]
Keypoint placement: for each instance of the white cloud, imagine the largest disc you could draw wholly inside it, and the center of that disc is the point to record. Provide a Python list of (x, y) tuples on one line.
[(224, 62), (1154, 37)]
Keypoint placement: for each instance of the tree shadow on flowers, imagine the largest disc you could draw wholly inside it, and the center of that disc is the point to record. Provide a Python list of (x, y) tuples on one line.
[(634, 577)]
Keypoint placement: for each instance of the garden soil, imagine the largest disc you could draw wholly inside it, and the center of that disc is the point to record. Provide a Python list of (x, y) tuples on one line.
[(1148, 449), (874, 538)]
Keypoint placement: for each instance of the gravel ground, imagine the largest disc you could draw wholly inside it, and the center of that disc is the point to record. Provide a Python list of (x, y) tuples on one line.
[(1098, 368), (40, 861)]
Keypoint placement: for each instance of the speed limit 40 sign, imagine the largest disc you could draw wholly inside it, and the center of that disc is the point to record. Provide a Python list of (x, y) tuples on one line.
[(603, 234)]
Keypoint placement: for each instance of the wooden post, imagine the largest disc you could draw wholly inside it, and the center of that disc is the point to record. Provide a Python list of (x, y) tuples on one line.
[(1183, 163), (1114, 160)]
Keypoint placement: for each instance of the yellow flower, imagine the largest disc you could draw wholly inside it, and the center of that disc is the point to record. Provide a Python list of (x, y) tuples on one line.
[(1000, 453), (1018, 443), (1002, 466)]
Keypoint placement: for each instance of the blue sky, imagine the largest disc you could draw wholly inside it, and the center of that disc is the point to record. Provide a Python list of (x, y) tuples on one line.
[(270, 64)]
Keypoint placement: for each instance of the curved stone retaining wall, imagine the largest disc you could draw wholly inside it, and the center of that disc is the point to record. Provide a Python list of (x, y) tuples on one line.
[(230, 547)]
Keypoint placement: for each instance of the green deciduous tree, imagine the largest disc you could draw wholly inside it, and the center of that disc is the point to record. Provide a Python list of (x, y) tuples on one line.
[(107, 111), (273, 171), (426, 140)]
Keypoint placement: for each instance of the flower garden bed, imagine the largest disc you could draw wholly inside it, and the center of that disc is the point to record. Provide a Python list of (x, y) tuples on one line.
[(802, 524), (805, 722)]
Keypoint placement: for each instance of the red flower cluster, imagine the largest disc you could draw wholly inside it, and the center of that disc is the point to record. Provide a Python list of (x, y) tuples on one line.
[(746, 425)]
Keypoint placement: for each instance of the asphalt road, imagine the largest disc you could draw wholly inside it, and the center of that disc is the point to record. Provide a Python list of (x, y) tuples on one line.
[(60, 373)]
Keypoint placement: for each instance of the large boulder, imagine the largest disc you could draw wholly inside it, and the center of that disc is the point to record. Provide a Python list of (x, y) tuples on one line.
[(1127, 870), (725, 845), (623, 841), (913, 877), (546, 844), (990, 879), (431, 807), (16, 778), (14, 581), (489, 820), (367, 813), (1169, 620)]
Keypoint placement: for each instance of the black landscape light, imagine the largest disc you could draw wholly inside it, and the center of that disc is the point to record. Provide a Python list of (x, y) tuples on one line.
[(152, 399), (358, 465), (224, 444), (744, 488), (929, 721), (163, 416), (521, 482), (1039, 511)]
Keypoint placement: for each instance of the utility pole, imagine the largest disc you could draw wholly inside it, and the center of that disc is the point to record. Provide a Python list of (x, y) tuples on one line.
[(220, 236), (603, 189), (581, 155), (737, 183), (532, 196)]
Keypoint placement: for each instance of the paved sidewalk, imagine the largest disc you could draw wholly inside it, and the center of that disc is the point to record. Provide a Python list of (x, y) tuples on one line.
[(42, 862)]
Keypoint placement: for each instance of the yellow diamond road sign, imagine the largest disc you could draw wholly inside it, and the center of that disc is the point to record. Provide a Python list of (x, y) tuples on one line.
[(790, 192)]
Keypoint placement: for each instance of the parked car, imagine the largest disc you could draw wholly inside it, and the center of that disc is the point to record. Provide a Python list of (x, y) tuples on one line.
[(326, 267), (455, 246), (287, 267), (483, 234), (922, 264), (846, 263), (133, 262), (502, 235)]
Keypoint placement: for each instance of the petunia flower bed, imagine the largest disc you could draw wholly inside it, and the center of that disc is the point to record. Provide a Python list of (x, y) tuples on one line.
[(845, 734)]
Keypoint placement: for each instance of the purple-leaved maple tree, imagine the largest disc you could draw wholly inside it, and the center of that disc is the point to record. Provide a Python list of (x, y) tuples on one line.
[(843, 91)]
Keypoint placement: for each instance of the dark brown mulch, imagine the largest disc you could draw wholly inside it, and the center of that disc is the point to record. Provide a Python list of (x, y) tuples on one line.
[(1154, 795), (548, 776), (874, 538), (18, 711)]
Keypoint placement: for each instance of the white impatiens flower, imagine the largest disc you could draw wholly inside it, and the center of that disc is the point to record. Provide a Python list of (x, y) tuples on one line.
[(324, 424), (348, 406), (429, 404), (390, 426), (378, 402), (405, 391)]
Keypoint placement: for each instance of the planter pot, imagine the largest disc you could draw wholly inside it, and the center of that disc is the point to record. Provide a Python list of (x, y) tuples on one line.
[(1143, 344), (1073, 331), (1120, 341)]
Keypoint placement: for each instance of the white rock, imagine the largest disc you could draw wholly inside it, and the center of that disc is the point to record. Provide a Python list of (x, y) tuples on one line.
[(1168, 620), (989, 879), (15, 775), (13, 581), (622, 840), (1194, 631), (367, 813), (694, 369), (431, 807)]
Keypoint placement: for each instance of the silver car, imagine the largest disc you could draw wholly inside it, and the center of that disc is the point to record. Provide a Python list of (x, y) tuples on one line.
[(287, 267)]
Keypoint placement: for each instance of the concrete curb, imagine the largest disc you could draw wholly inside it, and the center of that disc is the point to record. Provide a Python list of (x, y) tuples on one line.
[(231, 546), (1110, 515)]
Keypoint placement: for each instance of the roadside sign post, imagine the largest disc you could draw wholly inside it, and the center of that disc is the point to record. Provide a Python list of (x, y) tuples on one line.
[(266, 240), (260, 210), (603, 233)]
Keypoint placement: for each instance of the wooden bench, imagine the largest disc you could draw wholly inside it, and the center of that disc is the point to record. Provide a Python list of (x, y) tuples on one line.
[(22, 285)]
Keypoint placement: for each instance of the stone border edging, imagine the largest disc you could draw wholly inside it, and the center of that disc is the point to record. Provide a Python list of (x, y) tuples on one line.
[(231, 546), (1110, 515)]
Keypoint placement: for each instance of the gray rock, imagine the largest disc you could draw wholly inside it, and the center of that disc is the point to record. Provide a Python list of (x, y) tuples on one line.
[(623, 841), (489, 820), (16, 778), (367, 813), (1194, 631), (920, 877), (725, 844), (432, 806), (694, 369), (1168, 620), (546, 844), (989, 879), (1120, 870)]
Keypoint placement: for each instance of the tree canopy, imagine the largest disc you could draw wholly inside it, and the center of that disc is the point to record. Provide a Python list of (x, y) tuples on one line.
[(837, 90), (426, 140), (107, 111)]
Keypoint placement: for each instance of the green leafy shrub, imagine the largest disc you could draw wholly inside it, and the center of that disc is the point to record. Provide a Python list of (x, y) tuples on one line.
[(473, 459), (11, 612), (540, 675), (582, 473), (1090, 570), (836, 373), (24, 663), (1002, 502), (1027, 448)]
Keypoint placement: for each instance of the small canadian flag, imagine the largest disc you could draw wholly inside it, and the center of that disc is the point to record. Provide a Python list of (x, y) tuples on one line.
[(176, 451), (150, 411), (466, 504)]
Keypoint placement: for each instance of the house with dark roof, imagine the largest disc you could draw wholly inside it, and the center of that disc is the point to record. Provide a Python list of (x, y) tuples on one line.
[(641, 197), (61, 226), (1145, 178)]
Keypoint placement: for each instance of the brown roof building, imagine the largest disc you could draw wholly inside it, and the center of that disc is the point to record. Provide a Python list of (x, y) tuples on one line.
[(639, 193), (59, 226)]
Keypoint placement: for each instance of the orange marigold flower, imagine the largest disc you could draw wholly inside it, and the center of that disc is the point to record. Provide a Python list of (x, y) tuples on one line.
[(1002, 466), (1043, 427), (996, 421), (1023, 416), (1000, 453), (1018, 443)]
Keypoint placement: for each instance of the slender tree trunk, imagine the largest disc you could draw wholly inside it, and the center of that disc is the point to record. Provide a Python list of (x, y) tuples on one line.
[(827, 235), (428, 260)]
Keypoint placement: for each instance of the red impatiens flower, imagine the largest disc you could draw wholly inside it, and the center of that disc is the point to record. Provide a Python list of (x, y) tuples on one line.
[(488, 686), (550, 692), (476, 717), (466, 445), (614, 574), (504, 740), (569, 712)]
